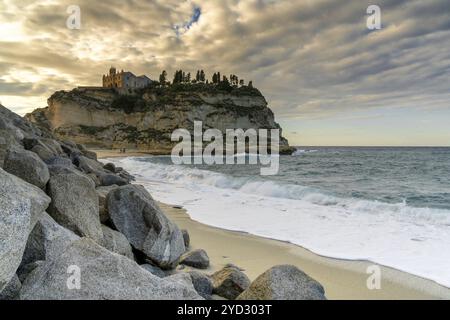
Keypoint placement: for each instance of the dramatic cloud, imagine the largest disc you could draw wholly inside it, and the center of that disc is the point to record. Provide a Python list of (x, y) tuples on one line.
[(312, 59)]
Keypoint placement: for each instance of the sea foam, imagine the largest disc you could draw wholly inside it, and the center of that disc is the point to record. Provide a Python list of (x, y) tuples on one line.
[(407, 238)]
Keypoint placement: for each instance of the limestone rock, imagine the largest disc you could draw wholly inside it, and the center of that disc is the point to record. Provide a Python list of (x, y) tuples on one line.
[(229, 282), (116, 242), (21, 205), (74, 202), (27, 166), (198, 259), (284, 282), (104, 276), (134, 213), (91, 116)]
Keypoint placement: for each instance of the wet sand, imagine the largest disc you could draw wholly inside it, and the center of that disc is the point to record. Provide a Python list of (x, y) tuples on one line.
[(342, 279)]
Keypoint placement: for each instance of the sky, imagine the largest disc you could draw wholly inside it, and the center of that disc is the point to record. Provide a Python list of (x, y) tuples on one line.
[(327, 77)]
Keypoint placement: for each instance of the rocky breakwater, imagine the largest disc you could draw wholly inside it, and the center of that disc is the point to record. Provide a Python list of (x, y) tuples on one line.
[(73, 228), (103, 118)]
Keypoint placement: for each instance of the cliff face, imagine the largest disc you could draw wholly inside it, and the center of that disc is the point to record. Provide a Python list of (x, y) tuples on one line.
[(145, 121)]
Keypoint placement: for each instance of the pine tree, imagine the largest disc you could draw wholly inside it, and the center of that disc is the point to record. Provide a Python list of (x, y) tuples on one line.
[(197, 77), (202, 76), (163, 78)]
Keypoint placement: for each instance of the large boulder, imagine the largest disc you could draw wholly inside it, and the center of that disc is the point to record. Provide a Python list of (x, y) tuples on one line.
[(116, 242), (89, 154), (134, 213), (230, 282), (103, 276), (88, 165), (27, 166), (197, 259), (12, 290), (45, 148), (284, 282), (47, 240), (21, 205), (102, 192), (74, 202)]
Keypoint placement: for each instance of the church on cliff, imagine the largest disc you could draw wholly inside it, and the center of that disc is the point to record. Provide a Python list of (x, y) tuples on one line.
[(124, 80)]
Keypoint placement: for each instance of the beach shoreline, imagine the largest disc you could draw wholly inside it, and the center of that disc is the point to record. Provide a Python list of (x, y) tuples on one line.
[(342, 279)]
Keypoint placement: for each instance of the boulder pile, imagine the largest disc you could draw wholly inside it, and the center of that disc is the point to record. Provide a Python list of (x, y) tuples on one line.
[(72, 227)]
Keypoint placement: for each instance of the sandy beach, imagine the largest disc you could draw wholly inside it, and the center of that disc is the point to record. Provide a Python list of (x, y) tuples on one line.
[(342, 279)]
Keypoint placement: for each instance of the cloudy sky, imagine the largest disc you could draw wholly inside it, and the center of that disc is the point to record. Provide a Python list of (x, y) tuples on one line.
[(329, 80)]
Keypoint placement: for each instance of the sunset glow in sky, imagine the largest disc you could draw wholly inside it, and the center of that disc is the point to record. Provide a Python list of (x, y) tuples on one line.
[(328, 79)]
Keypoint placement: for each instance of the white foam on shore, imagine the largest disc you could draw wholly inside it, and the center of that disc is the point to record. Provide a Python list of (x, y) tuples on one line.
[(414, 240)]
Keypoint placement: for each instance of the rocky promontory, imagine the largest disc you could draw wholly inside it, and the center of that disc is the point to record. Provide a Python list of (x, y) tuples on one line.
[(72, 227), (145, 119)]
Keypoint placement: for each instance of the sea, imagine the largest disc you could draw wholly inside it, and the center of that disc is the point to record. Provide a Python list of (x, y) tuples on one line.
[(390, 206)]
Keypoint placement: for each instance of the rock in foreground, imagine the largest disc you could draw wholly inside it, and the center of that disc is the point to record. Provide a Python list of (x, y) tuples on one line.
[(104, 276), (21, 205), (74, 202), (230, 282), (27, 166), (197, 259), (135, 214), (284, 282)]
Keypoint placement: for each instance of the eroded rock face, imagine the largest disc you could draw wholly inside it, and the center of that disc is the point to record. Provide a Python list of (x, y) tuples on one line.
[(94, 117), (284, 282), (27, 166), (21, 205), (229, 282), (74, 202), (116, 242), (135, 214), (104, 276)]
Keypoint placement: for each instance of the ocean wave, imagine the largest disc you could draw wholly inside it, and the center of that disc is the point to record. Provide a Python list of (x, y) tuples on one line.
[(300, 152), (408, 238), (267, 188)]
